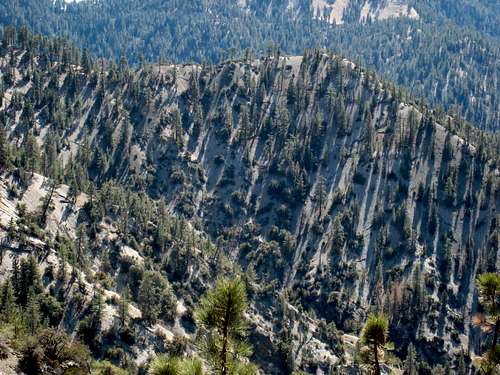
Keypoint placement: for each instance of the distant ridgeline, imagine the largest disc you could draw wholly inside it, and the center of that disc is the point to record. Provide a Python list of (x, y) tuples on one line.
[(446, 51), (334, 193)]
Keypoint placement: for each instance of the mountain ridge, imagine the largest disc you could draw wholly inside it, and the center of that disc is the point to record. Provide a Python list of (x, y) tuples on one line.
[(335, 193), (307, 172), (463, 80)]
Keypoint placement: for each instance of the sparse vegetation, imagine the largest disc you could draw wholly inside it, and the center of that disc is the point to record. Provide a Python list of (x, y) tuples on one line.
[(331, 192)]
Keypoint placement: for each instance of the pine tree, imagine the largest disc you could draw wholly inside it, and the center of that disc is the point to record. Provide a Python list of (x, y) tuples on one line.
[(86, 62), (12, 233), (4, 148), (30, 154), (90, 327), (245, 131), (462, 368), (155, 297), (227, 120), (375, 335), (15, 278), (81, 245), (123, 307), (338, 234), (221, 314), (449, 190), (7, 301), (32, 312), (320, 194), (411, 361), (489, 292), (417, 288), (177, 129), (47, 202), (369, 133), (29, 280), (163, 365)]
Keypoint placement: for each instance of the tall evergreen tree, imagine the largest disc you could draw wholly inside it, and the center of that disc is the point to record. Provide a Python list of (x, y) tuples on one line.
[(411, 361), (320, 195), (123, 307), (32, 312), (7, 301), (221, 314), (489, 292), (375, 335)]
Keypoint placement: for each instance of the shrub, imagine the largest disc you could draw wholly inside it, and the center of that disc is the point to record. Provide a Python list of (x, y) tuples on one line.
[(52, 350), (107, 368), (4, 350)]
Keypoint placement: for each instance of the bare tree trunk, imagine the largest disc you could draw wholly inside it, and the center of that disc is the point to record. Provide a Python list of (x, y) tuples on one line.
[(47, 204), (377, 365)]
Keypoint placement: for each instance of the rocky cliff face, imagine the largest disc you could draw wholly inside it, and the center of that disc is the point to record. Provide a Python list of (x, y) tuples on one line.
[(335, 11), (335, 191)]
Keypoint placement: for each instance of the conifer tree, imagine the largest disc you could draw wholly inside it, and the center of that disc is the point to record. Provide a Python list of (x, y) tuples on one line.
[(163, 365), (320, 194), (221, 314), (12, 232), (489, 293), (411, 361), (32, 312), (462, 369), (47, 202), (28, 280), (375, 336), (227, 117), (4, 146), (245, 131), (155, 297), (81, 245), (123, 307), (7, 301), (178, 133), (30, 154), (338, 234), (90, 327)]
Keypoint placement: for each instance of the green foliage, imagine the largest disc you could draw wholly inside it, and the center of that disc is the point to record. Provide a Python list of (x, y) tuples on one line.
[(52, 350), (7, 301), (411, 365), (375, 335), (338, 234), (221, 314), (89, 328), (375, 330), (107, 368), (306, 146), (489, 290), (26, 278), (463, 34), (163, 365), (155, 297), (123, 307)]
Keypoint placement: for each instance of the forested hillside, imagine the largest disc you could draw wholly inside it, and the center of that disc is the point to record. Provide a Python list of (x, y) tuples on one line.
[(447, 52), (126, 191)]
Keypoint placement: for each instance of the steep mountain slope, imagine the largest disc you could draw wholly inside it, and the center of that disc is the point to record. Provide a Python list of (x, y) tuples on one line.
[(480, 15), (445, 51), (336, 193), (334, 11), (459, 69)]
